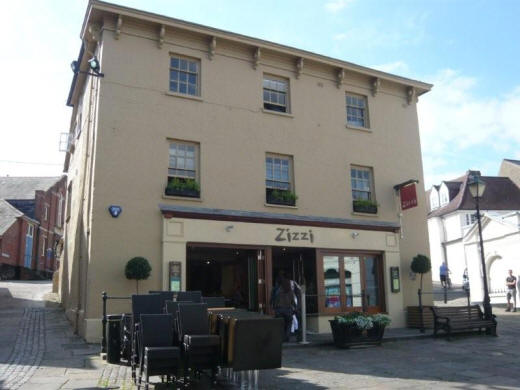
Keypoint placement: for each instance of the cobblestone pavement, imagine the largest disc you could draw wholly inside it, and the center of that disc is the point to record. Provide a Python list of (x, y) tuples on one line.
[(38, 350)]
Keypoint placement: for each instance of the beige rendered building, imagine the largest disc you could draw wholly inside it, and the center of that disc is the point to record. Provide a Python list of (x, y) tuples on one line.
[(233, 160)]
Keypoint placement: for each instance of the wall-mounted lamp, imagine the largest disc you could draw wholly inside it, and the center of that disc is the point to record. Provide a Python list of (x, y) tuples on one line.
[(229, 227), (93, 64), (354, 234)]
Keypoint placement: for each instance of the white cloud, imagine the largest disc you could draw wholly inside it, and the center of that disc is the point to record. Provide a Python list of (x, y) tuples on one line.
[(455, 122), (340, 37), (336, 5)]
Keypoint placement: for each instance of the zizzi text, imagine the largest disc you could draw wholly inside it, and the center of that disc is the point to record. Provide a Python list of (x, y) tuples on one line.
[(287, 235)]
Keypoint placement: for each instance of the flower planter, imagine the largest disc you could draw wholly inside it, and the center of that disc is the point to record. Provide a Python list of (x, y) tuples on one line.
[(270, 199), (363, 208), (347, 335), (189, 193)]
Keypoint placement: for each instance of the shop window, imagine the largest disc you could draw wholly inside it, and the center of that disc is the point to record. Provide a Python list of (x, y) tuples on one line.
[(351, 282), (363, 199), (279, 183), (276, 93), (183, 170), (357, 113), (184, 75)]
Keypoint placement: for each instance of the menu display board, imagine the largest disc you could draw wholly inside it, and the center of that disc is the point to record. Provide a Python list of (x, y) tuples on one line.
[(175, 275)]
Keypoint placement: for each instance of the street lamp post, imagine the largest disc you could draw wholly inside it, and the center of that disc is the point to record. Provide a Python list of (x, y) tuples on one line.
[(477, 187)]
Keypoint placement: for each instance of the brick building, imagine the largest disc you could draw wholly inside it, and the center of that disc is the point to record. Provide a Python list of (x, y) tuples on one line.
[(31, 220)]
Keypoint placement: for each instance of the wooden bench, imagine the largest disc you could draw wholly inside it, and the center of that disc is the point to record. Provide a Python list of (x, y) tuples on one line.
[(461, 318)]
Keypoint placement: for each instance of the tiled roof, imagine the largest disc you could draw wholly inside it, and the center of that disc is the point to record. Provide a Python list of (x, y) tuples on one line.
[(8, 215), (500, 194), (453, 187), (24, 187)]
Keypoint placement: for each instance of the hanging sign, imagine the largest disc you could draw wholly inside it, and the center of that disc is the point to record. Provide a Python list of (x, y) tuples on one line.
[(408, 197)]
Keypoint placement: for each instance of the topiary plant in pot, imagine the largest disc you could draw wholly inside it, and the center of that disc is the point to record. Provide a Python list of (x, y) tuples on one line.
[(138, 268), (421, 265)]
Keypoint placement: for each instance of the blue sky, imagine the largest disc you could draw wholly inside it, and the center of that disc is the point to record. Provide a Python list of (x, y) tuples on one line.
[(470, 51)]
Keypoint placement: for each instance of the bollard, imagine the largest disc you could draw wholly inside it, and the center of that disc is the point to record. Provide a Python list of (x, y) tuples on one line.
[(419, 292), (445, 293), (303, 316)]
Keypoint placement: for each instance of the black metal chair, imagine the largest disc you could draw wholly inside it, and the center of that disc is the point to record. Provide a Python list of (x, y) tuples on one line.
[(214, 301), (201, 350), (189, 296), (141, 304), (126, 337), (158, 356), (165, 295)]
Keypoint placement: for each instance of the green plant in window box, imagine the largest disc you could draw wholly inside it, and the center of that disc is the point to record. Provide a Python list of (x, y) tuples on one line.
[(358, 328), (365, 206), (283, 197), (183, 187)]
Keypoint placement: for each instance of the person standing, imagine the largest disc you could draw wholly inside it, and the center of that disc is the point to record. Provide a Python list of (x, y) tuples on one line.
[(443, 271), (511, 291), (282, 301)]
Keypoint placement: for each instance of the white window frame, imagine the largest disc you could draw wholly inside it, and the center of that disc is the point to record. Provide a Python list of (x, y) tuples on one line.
[(30, 230), (273, 86), (45, 212), (44, 245), (195, 158), (174, 83), (60, 211), (351, 108), (290, 172), (369, 181), (469, 219)]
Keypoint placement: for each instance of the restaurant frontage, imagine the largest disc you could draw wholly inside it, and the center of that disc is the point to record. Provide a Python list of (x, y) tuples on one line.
[(344, 264)]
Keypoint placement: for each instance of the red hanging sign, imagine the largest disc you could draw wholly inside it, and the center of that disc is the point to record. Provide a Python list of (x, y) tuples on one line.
[(408, 197)]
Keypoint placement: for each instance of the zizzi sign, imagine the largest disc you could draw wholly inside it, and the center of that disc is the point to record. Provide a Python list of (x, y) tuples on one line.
[(286, 234)]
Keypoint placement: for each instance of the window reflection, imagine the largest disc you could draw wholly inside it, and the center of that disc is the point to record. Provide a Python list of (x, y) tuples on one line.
[(331, 281), (352, 281)]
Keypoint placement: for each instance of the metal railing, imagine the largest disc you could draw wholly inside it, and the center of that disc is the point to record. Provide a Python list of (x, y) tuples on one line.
[(105, 298)]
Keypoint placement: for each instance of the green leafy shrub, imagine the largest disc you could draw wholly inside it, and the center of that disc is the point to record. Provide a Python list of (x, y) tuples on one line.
[(363, 321), (138, 268), (421, 265), (364, 203), (183, 184), (285, 196)]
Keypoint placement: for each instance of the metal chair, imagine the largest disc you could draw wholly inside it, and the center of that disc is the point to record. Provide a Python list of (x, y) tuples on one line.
[(189, 296), (158, 356), (165, 295), (214, 301), (201, 350), (141, 304)]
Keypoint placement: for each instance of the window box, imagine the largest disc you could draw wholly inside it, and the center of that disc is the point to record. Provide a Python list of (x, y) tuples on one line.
[(363, 206), (285, 198), (358, 328), (346, 336), (183, 187), (189, 193)]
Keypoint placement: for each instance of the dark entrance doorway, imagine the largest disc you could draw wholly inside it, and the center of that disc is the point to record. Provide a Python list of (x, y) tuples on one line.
[(298, 264), (236, 273)]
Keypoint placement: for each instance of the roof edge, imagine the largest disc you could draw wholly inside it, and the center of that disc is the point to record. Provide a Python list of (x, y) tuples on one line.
[(219, 33)]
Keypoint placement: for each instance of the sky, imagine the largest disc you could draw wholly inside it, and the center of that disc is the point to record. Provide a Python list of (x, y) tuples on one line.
[(469, 50)]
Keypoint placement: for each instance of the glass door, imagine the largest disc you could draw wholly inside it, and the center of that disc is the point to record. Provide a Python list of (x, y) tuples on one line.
[(372, 280), (352, 283)]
